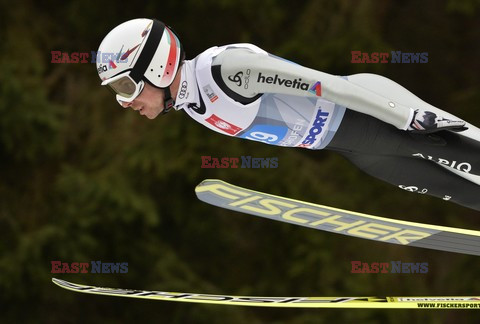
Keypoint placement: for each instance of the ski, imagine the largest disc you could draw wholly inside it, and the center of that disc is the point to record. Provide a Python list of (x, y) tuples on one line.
[(452, 302), (319, 217)]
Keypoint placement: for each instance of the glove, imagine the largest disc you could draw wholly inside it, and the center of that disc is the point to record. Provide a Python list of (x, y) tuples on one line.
[(428, 122)]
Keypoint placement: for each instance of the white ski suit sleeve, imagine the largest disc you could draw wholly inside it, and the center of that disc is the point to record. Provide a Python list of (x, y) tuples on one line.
[(269, 74)]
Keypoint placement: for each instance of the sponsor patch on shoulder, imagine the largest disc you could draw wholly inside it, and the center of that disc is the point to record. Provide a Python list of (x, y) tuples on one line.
[(223, 125)]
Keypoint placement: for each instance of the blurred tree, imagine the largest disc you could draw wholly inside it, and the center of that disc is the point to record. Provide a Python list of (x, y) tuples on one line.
[(83, 180)]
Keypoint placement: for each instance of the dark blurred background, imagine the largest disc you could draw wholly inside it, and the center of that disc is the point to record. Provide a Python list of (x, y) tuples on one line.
[(83, 179)]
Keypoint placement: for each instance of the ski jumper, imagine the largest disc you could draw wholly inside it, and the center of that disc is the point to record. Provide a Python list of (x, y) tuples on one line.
[(240, 90)]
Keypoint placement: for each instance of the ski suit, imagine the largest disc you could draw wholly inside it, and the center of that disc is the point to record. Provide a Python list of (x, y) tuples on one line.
[(240, 90)]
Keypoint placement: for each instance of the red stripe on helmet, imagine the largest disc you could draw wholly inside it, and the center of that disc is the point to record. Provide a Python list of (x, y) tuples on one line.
[(169, 74)]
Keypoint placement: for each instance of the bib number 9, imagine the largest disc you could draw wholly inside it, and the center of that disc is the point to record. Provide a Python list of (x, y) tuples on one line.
[(262, 137), (270, 134)]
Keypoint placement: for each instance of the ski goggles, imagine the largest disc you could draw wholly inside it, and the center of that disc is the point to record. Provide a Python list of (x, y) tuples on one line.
[(124, 87)]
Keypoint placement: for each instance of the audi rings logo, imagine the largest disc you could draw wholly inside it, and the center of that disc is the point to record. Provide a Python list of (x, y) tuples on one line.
[(183, 90)]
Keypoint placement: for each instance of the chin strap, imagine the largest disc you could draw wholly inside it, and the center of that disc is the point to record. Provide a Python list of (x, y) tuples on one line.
[(168, 102)]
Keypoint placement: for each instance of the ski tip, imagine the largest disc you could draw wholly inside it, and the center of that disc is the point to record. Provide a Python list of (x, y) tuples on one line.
[(205, 181), (61, 283)]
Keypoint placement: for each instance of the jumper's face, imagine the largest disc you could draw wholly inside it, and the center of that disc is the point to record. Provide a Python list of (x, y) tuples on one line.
[(149, 103)]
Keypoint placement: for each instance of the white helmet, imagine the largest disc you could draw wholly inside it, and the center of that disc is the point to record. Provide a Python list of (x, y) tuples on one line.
[(136, 51)]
